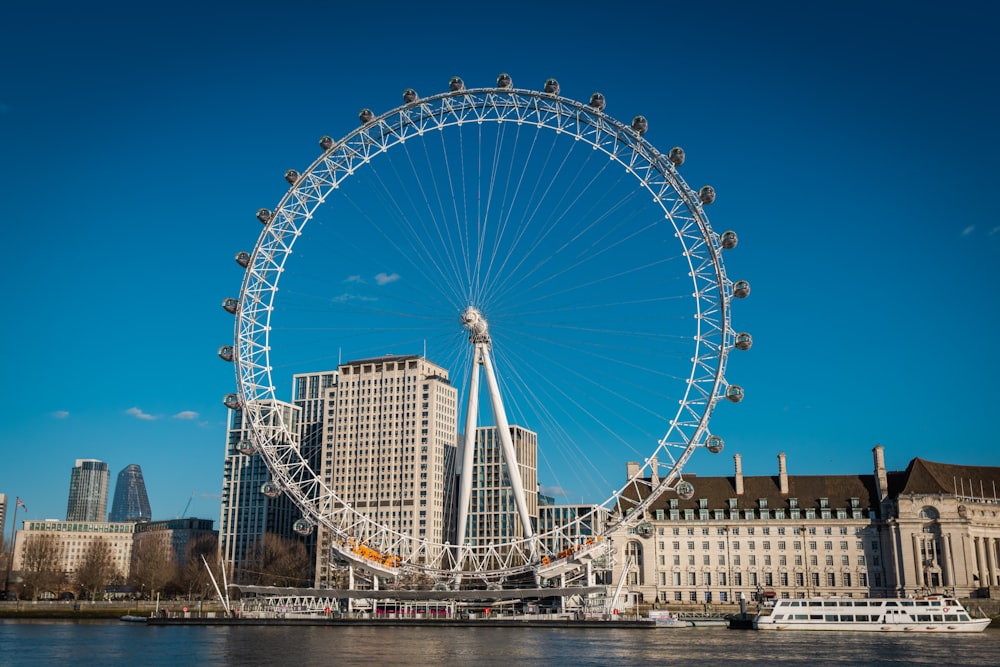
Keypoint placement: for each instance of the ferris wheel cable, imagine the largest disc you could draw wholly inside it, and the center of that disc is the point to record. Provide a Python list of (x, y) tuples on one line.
[(537, 209), (555, 425), (508, 204), (558, 392), (437, 225), (412, 234)]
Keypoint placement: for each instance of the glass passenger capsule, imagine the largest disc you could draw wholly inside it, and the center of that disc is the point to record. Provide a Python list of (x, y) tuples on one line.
[(270, 489), (552, 86), (734, 393), (706, 194), (597, 101), (264, 215), (226, 353), (676, 156), (303, 527), (685, 490), (456, 84), (246, 447), (504, 81), (640, 125), (743, 341), (729, 239), (367, 115), (291, 176), (231, 401), (741, 289), (644, 529), (326, 142), (243, 258), (410, 96), (714, 444), (230, 305)]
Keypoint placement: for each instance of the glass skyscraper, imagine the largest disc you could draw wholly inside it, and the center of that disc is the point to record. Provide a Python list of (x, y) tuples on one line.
[(131, 503), (88, 491)]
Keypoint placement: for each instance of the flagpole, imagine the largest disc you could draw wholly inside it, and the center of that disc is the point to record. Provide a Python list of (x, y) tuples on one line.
[(10, 550)]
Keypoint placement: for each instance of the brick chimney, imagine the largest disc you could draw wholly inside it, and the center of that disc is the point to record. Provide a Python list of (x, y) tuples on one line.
[(782, 474), (739, 474)]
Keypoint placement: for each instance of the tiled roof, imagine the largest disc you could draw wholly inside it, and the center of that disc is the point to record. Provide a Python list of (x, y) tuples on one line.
[(923, 476), (807, 489)]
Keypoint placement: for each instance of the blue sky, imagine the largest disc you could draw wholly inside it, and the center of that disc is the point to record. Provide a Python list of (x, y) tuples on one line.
[(853, 146)]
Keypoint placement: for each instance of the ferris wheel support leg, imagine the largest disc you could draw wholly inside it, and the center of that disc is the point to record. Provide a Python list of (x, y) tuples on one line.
[(467, 454), (510, 456)]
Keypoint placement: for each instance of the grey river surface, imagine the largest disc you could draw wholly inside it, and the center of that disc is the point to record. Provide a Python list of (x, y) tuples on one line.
[(117, 643)]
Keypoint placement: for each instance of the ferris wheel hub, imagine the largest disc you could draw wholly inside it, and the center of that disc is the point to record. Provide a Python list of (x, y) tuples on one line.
[(474, 321)]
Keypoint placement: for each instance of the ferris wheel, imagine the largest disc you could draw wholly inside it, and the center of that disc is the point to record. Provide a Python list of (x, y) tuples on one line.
[(495, 242)]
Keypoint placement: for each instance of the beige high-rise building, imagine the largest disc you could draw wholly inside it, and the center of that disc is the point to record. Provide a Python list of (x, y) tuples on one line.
[(389, 448)]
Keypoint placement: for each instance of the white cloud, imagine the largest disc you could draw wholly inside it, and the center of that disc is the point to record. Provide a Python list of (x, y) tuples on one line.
[(186, 414), (61, 414), (386, 278), (347, 296), (139, 414), (968, 230), (993, 231), (554, 491), (353, 279)]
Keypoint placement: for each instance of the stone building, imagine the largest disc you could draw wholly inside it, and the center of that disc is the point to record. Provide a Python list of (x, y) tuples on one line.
[(931, 528)]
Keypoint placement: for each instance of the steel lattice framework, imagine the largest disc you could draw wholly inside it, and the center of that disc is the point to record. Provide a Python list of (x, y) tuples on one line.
[(712, 293)]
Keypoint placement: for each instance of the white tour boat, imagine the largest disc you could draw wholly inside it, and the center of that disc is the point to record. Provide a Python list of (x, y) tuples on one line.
[(664, 619), (934, 613)]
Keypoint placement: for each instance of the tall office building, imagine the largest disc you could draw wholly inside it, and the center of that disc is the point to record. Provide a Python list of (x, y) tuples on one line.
[(88, 491), (247, 514), (493, 516), (131, 503), (389, 448), (309, 395)]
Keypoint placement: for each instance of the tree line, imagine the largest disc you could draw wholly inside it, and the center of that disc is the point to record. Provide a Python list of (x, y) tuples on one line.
[(155, 568)]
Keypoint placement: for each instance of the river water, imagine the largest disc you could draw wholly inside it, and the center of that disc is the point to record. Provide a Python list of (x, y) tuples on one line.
[(116, 643)]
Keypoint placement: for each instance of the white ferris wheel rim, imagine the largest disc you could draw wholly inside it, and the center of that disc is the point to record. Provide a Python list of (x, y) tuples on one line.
[(711, 295)]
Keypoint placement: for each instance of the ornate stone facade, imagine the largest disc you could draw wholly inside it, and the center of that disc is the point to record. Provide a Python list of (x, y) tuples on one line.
[(931, 528)]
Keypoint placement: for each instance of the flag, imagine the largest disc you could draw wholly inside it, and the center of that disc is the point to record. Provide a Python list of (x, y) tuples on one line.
[(20, 503)]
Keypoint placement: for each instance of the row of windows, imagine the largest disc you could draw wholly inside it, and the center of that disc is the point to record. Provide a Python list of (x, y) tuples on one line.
[(748, 514), (766, 545), (764, 530), (793, 503), (785, 579), (752, 560)]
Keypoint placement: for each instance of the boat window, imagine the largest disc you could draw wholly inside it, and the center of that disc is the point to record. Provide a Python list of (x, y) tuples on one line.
[(951, 618), (924, 618), (907, 603), (890, 603), (938, 617), (963, 617)]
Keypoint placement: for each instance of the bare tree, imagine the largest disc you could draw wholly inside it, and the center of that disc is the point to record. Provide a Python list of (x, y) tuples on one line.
[(40, 563), (97, 569), (194, 578), (153, 565), (277, 561)]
